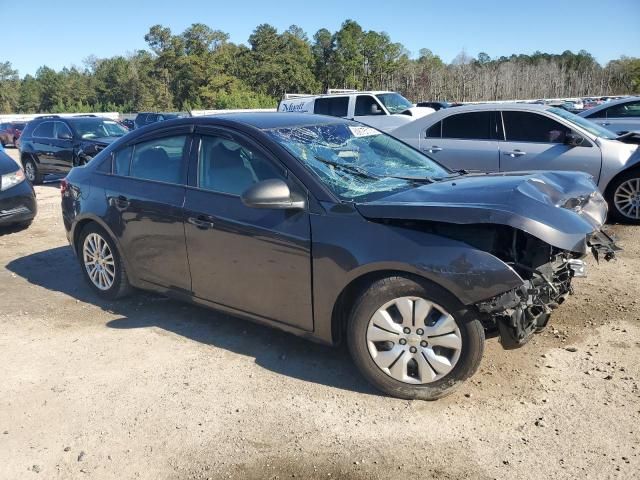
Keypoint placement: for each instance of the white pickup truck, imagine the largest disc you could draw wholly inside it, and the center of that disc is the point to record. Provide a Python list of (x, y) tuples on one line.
[(385, 111)]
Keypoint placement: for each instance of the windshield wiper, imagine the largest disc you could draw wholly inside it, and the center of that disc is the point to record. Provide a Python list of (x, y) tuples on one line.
[(347, 168), (415, 179)]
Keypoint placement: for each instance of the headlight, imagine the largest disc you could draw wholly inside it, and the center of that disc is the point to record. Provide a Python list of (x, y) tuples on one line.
[(11, 180)]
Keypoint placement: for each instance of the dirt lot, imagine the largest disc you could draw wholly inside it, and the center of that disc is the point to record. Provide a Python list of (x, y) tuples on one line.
[(154, 389)]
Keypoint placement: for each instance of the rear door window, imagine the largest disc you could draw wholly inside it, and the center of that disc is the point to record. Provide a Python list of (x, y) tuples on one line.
[(160, 160), (533, 127), (471, 126), (44, 130), (334, 106)]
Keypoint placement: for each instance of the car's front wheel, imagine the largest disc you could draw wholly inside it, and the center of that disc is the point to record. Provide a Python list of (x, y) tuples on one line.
[(414, 340), (624, 197), (101, 263)]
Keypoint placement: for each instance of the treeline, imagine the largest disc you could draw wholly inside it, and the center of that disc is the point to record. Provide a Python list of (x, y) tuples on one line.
[(200, 68)]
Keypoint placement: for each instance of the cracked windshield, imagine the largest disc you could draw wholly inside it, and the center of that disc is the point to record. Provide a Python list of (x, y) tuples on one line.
[(356, 161)]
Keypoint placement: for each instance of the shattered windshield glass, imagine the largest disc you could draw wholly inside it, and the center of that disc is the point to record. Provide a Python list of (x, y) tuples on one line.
[(355, 161)]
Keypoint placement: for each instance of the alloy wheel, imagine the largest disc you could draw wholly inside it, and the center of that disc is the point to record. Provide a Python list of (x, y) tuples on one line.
[(98, 261), (30, 171), (414, 340), (627, 198)]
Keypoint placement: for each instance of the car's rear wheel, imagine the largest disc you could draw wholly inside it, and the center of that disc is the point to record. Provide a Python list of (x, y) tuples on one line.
[(413, 340), (624, 197), (31, 171), (101, 263)]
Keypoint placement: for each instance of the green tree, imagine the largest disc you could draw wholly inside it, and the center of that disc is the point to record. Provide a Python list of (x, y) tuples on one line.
[(9, 88)]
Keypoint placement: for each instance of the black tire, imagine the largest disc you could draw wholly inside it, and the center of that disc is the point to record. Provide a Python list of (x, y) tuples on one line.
[(614, 212), (31, 171), (121, 286), (387, 289)]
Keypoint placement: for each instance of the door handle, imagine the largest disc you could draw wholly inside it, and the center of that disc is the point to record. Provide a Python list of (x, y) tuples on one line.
[(202, 222), (515, 153), (120, 202), (605, 123), (432, 149)]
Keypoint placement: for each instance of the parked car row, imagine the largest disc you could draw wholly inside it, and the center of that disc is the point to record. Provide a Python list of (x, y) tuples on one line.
[(343, 233)]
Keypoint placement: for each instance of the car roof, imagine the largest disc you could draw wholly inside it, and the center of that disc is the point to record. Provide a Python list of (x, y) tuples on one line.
[(268, 120), (479, 107), (250, 120)]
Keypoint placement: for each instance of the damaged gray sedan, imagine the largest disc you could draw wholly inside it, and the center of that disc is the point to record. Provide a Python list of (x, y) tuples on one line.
[(334, 231)]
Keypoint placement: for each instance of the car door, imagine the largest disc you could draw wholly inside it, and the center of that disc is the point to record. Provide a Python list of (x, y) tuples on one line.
[(251, 260), (145, 207), (62, 148), (534, 141), (466, 140), (43, 140)]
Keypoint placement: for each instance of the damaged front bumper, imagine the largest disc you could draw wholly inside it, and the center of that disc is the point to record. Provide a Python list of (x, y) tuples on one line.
[(519, 313), (602, 245)]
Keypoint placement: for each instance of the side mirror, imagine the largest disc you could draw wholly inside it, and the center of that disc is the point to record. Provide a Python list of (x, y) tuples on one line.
[(273, 193), (573, 139), (375, 109), (65, 136)]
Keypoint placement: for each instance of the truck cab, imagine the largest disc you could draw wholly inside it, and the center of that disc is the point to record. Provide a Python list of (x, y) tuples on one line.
[(380, 109)]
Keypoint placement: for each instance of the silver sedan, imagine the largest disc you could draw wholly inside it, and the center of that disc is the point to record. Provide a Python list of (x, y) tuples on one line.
[(507, 137)]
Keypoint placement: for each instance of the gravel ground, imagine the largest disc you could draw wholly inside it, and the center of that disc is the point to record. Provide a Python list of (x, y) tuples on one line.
[(150, 388)]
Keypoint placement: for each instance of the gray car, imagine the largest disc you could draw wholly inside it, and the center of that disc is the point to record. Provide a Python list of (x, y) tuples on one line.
[(619, 116), (336, 232), (504, 137)]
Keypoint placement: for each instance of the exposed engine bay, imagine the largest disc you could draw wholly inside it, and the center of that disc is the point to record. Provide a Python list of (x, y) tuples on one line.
[(547, 273)]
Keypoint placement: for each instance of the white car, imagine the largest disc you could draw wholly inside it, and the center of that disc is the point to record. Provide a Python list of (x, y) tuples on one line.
[(619, 116), (508, 137), (380, 109)]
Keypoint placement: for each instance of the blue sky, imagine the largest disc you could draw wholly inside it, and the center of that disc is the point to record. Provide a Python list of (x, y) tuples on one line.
[(72, 29)]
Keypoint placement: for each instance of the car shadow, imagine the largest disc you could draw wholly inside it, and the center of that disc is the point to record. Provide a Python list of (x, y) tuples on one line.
[(57, 270)]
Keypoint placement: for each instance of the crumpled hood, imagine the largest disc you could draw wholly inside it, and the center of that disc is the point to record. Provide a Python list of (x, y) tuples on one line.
[(560, 208)]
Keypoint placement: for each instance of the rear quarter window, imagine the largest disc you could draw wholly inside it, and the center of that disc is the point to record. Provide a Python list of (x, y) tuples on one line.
[(335, 106)]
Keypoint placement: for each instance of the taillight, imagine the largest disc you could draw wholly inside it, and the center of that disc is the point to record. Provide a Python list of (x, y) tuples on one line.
[(65, 187)]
